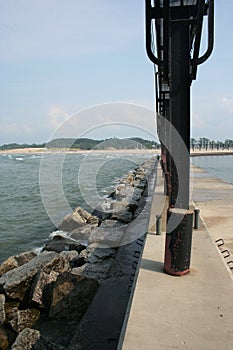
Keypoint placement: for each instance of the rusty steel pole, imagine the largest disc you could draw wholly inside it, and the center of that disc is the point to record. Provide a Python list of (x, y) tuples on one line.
[(176, 27), (178, 241)]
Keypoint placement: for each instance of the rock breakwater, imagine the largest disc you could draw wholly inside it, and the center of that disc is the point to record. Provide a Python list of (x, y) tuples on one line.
[(45, 297)]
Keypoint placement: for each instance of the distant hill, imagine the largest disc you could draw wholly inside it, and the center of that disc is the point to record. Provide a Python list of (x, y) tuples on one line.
[(112, 143)]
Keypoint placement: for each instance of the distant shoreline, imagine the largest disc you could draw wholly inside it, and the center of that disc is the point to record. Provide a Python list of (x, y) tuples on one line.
[(211, 153), (78, 151), (135, 151)]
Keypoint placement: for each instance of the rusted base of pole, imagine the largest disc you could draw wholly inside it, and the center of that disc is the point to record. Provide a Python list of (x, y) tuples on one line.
[(178, 243)]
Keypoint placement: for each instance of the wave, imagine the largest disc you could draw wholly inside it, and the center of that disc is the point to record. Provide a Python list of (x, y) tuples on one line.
[(35, 157)]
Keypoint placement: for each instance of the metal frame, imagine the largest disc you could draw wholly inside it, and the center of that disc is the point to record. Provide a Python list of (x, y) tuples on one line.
[(178, 39)]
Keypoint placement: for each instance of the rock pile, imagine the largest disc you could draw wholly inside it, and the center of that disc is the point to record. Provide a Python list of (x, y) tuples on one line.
[(41, 292)]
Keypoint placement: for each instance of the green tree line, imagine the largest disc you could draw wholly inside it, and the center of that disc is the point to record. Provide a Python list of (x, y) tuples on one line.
[(205, 143), (10, 146)]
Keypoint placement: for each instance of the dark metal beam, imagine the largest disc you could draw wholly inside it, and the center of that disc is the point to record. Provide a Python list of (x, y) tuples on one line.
[(180, 108)]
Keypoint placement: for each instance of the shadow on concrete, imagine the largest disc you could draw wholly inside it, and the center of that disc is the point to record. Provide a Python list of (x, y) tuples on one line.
[(152, 265)]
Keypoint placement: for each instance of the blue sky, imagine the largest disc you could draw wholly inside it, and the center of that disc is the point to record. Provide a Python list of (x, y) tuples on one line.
[(59, 57)]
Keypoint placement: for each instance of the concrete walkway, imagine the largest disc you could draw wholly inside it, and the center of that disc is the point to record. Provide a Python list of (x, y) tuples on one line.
[(194, 312)]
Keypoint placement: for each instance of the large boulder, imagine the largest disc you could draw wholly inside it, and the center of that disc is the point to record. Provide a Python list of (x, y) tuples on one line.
[(94, 253), (107, 236), (24, 319), (124, 216), (99, 271), (78, 218), (31, 339), (15, 261), (63, 244), (98, 261), (16, 283), (82, 234), (71, 296), (40, 283), (125, 193)]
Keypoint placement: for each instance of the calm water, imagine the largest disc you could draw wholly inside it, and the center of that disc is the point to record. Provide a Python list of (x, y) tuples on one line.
[(219, 166), (24, 223)]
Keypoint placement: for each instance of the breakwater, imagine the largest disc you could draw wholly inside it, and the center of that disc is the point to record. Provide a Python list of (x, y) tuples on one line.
[(75, 292), (24, 222)]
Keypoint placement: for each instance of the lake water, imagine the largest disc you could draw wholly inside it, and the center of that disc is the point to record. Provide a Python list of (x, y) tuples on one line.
[(218, 166), (24, 222)]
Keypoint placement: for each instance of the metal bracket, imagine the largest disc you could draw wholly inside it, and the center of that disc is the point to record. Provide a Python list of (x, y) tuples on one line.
[(209, 50), (150, 54)]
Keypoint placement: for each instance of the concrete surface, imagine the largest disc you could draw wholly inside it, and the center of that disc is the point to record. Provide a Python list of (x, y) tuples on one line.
[(214, 198), (194, 312)]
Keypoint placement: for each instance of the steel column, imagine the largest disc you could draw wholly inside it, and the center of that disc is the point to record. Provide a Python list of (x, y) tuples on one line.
[(178, 242), (180, 109)]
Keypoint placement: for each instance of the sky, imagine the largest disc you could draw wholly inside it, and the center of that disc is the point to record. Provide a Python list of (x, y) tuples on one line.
[(79, 68)]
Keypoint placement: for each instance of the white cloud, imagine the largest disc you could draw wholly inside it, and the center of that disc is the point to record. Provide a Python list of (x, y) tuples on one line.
[(57, 116), (105, 121)]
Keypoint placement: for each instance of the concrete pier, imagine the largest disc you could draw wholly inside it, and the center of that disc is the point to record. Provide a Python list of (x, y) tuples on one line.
[(195, 311)]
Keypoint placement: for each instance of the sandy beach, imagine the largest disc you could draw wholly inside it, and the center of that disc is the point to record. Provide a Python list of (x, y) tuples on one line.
[(135, 151)]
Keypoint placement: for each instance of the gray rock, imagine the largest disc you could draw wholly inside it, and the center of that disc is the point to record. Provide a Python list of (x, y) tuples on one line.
[(40, 281), (24, 319), (25, 257), (16, 283), (70, 255), (60, 245), (98, 271), (8, 265), (2, 308), (71, 296), (121, 210), (15, 261), (26, 340), (140, 183), (125, 193), (56, 246), (77, 219), (137, 194), (94, 253), (110, 237), (110, 224), (31, 339), (125, 216), (118, 206), (82, 234)]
